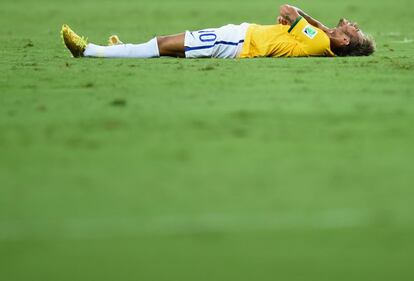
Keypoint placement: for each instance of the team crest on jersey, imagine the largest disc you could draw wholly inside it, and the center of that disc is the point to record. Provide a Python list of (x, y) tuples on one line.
[(310, 31)]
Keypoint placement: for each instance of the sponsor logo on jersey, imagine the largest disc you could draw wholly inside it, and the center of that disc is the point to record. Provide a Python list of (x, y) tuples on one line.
[(310, 31)]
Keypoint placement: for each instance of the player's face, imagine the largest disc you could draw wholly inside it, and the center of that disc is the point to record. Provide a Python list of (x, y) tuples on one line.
[(338, 37), (350, 28)]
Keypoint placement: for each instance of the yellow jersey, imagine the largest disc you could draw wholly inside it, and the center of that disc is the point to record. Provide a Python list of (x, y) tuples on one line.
[(298, 40)]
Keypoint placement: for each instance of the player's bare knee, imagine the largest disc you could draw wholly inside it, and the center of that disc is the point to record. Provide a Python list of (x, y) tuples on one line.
[(162, 41)]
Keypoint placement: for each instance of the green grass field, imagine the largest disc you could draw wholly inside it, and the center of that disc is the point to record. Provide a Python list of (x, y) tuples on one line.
[(172, 169)]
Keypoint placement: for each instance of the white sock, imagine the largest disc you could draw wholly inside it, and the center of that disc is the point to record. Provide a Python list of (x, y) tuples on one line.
[(145, 50)]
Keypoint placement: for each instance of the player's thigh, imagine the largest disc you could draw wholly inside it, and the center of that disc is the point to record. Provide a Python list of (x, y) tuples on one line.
[(223, 42), (171, 45)]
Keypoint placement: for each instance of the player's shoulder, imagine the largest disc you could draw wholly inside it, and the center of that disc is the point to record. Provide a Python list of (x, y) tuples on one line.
[(313, 40), (302, 29), (299, 23)]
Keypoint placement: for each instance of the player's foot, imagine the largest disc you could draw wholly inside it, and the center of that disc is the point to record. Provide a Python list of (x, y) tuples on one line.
[(114, 40), (73, 41)]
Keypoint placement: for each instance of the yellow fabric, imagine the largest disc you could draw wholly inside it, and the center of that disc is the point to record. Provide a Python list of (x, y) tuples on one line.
[(303, 40)]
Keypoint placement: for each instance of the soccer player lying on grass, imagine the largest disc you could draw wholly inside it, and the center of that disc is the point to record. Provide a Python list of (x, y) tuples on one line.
[(295, 35)]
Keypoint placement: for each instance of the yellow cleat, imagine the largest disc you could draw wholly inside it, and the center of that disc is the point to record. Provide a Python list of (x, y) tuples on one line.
[(73, 42), (114, 40)]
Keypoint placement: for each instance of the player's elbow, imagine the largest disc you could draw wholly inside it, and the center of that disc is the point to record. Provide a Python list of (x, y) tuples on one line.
[(284, 9)]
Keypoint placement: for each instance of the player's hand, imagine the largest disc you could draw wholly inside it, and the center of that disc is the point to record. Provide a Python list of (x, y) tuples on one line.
[(281, 20), (289, 13)]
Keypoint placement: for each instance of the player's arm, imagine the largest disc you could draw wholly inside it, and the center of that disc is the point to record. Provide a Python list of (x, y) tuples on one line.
[(311, 20), (288, 14)]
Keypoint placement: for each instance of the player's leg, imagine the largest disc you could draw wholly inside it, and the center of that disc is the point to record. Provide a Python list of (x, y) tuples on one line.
[(160, 46), (144, 50), (172, 45), (223, 42)]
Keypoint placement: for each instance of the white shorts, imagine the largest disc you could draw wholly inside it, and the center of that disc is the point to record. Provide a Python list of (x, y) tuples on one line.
[(223, 42)]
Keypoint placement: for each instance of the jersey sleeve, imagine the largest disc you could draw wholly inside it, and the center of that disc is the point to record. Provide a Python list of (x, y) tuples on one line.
[(297, 25), (313, 41)]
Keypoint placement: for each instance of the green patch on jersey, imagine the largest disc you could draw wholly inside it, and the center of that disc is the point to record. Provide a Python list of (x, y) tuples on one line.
[(310, 31)]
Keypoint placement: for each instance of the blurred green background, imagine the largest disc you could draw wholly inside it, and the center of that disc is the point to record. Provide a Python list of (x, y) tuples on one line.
[(172, 169)]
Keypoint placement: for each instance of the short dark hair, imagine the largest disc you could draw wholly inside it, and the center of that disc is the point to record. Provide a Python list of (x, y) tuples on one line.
[(355, 48)]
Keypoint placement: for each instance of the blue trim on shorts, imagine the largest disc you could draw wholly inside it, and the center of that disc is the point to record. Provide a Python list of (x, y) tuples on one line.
[(211, 46)]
